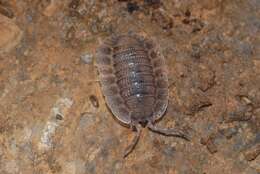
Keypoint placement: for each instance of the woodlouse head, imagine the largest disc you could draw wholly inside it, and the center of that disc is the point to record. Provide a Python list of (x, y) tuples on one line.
[(141, 118), (143, 123)]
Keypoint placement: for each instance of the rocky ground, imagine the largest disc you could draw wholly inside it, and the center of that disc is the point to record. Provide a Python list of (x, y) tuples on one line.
[(53, 118)]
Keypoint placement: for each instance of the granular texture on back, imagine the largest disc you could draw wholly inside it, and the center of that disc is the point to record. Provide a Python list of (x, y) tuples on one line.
[(133, 77)]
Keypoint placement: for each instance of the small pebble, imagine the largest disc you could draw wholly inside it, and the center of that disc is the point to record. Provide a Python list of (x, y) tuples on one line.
[(209, 143), (153, 3), (6, 12), (132, 6), (59, 117), (229, 132), (86, 58), (252, 153), (94, 101), (74, 4), (211, 146), (246, 100)]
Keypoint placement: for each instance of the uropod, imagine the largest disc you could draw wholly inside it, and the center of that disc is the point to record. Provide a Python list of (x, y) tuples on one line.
[(134, 82)]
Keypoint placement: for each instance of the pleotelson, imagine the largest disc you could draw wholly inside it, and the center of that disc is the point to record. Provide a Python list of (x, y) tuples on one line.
[(133, 77)]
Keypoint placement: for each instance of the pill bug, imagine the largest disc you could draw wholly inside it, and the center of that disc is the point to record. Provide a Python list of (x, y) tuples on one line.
[(134, 82)]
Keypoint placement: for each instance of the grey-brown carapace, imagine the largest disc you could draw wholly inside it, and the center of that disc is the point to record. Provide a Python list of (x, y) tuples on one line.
[(133, 77)]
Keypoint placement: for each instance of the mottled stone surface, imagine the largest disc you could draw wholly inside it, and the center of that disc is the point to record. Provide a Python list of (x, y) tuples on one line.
[(10, 34), (50, 121)]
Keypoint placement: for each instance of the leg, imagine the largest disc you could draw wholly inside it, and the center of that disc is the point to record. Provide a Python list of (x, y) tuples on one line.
[(168, 132), (131, 147)]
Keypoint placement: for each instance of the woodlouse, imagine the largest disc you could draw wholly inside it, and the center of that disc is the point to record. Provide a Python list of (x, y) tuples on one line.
[(133, 77)]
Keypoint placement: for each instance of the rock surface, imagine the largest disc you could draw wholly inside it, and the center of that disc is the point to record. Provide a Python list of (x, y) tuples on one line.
[(53, 118)]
